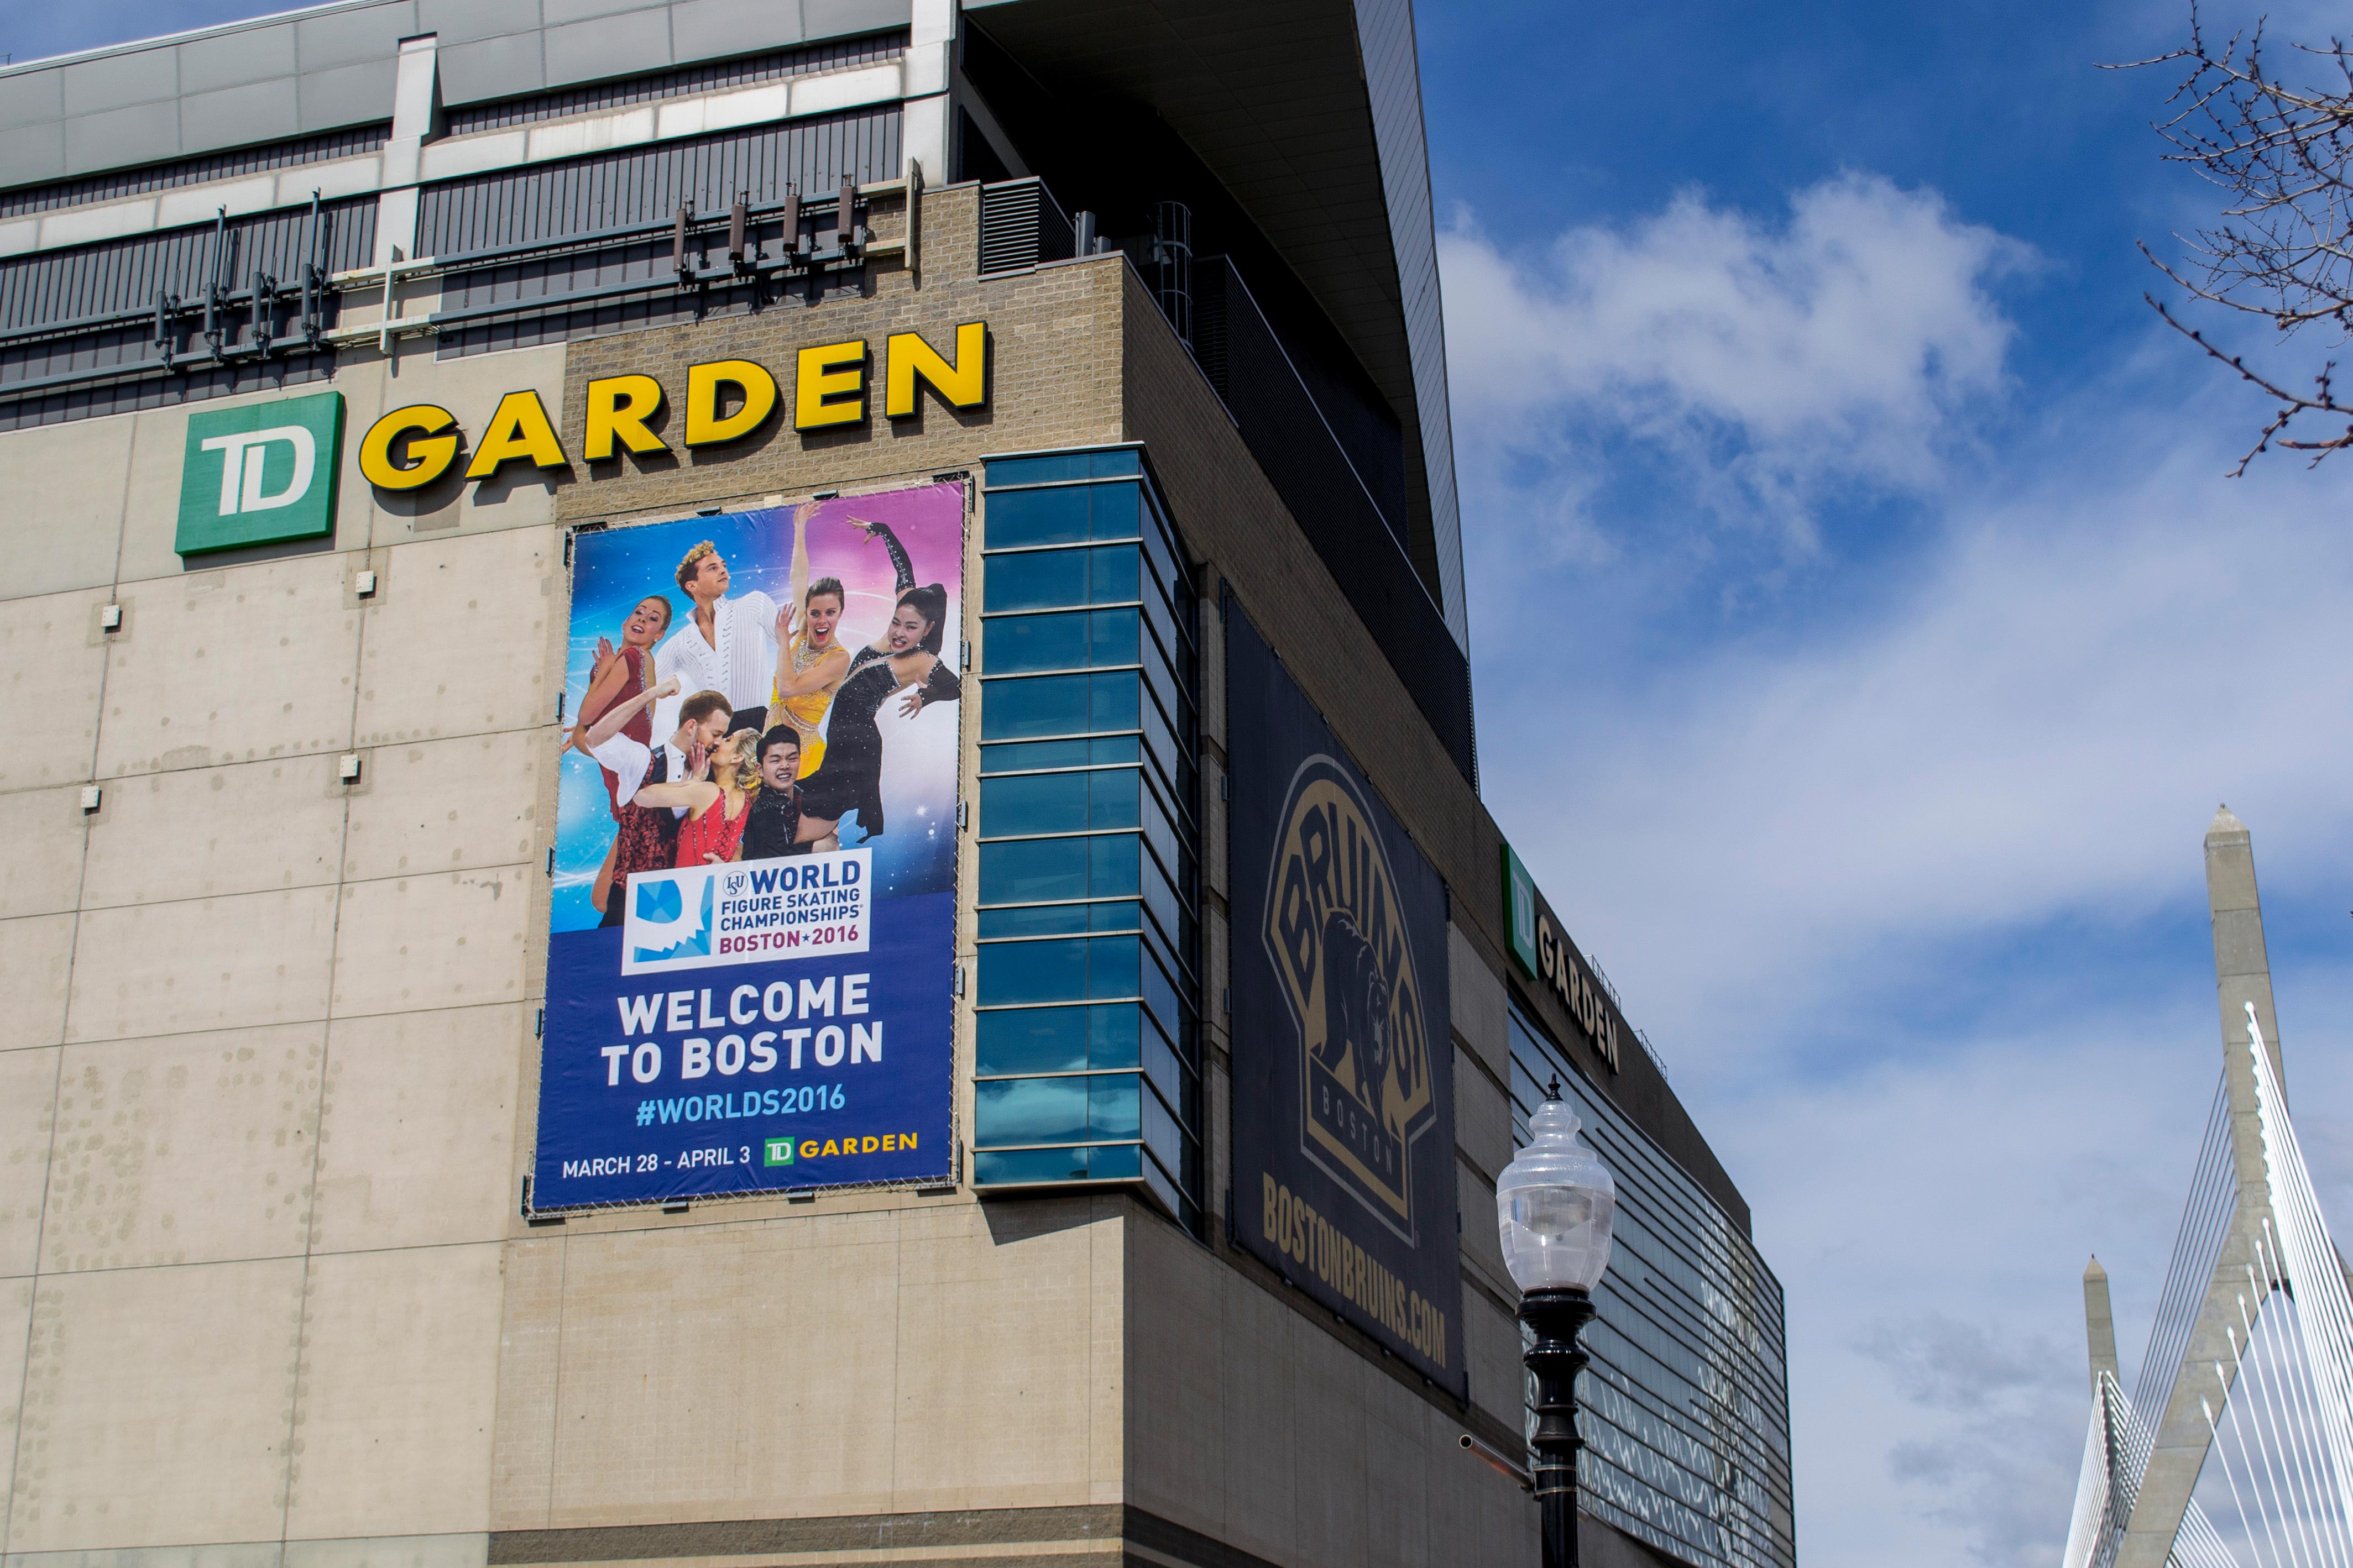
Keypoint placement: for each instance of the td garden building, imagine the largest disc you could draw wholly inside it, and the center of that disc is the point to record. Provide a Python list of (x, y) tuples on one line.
[(744, 826)]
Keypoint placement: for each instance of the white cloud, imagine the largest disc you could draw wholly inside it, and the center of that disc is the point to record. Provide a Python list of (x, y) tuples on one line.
[(1776, 360), (2035, 726)]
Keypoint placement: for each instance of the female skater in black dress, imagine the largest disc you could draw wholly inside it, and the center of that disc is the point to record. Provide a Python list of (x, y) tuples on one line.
[(906, 654)]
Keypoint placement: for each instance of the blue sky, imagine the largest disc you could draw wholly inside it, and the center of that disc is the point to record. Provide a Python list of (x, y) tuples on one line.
[(1865, 633)]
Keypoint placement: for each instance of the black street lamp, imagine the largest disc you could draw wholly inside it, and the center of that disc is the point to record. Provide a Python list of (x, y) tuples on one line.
[(1554, 1203)]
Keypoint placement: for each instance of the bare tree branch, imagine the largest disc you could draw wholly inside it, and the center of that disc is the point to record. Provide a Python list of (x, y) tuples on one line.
[(2282, 153)]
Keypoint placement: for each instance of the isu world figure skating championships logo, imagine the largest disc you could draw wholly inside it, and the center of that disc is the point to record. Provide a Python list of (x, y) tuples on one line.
[(1346, 963)]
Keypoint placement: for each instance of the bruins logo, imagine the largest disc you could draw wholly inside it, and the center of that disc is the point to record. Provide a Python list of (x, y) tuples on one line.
[(1346, 966)]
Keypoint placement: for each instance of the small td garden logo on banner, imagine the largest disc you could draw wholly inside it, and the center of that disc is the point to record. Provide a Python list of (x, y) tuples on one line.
[(261, 474)]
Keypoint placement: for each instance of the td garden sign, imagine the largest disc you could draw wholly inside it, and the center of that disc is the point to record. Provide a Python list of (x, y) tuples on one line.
[(265, 473)]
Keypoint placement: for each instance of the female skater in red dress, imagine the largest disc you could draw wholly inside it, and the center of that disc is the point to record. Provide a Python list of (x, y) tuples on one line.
[(620, 674), (719, 806)]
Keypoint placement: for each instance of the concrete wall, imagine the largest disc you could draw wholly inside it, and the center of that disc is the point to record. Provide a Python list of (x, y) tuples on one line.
[(264, 1062)]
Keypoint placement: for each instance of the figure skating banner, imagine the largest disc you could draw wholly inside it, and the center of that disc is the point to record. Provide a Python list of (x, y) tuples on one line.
[(1344, 1066), (751, 940)]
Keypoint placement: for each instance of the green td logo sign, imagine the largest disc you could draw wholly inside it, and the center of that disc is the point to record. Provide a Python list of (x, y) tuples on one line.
[(261, 474), (1520, 912)]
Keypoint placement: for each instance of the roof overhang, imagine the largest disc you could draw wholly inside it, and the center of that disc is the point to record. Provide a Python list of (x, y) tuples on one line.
[(1305, 111)]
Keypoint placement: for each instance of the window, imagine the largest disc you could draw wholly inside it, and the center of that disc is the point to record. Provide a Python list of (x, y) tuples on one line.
[(1087, 1065), (1686, 1403)]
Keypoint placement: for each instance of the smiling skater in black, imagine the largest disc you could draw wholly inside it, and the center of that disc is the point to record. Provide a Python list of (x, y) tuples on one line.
[(906, 655)]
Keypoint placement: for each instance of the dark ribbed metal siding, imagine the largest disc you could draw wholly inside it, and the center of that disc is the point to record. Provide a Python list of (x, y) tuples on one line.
[(1287, 432), (88, 309), (58, 286), (565, 205), (714, 77), (553, 201), (101, 398), (118, 184)]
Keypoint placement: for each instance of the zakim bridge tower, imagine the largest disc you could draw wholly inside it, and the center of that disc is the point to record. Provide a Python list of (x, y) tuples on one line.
[(2235, 1445)]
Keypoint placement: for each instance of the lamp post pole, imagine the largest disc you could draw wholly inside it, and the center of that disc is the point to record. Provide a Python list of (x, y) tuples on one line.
[(1553, 1206), (1555, 1316)]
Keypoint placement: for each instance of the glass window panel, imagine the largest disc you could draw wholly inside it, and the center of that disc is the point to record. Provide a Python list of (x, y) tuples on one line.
[(1114, 1106), (1160, 1183), (1112, 637), (1032, 972), (1012, 643), (1160, 742), (1124, 460), (1114, 865), (1029, 804), (1115, 700), (1040, 705), (1044, 919), (1018, 1167), (1113, 799), (1158, 1128), (1162, 837), (1162, 680), (1114, 917), (1114, 1162), (1161, 1065), (1039, 470), (1044, 581), (1035, 871), (1115, 964), (1058, 1039), (1029, 1110), (1059, 705), (1038, 517), (1118, 512), (1160, 996), (1114, 1036), (1163, 628), (1165, 569), (1115, 574), (1160, 900), (1027, 756)]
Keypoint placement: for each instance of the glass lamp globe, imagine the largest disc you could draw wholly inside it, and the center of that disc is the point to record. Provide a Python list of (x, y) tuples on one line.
[(1556, 1202)]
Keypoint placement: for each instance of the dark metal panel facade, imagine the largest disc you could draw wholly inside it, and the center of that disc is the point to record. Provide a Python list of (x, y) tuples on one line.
[(569, 207), (116, 185), (717, 77), (122, 275), (1309, 465), (91, 310), (550, 202)]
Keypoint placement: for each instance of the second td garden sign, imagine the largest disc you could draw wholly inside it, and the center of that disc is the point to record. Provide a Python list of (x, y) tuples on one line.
[(722, 401), (1544, 954)]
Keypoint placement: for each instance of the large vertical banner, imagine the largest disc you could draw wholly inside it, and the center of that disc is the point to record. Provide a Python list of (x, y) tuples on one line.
[(1344, 1067), (751, 938)]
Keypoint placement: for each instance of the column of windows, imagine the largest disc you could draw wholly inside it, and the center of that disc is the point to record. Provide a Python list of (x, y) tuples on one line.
[(1087, 1059)]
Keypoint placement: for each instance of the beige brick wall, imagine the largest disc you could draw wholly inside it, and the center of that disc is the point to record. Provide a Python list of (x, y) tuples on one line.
[(1055, 342)]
